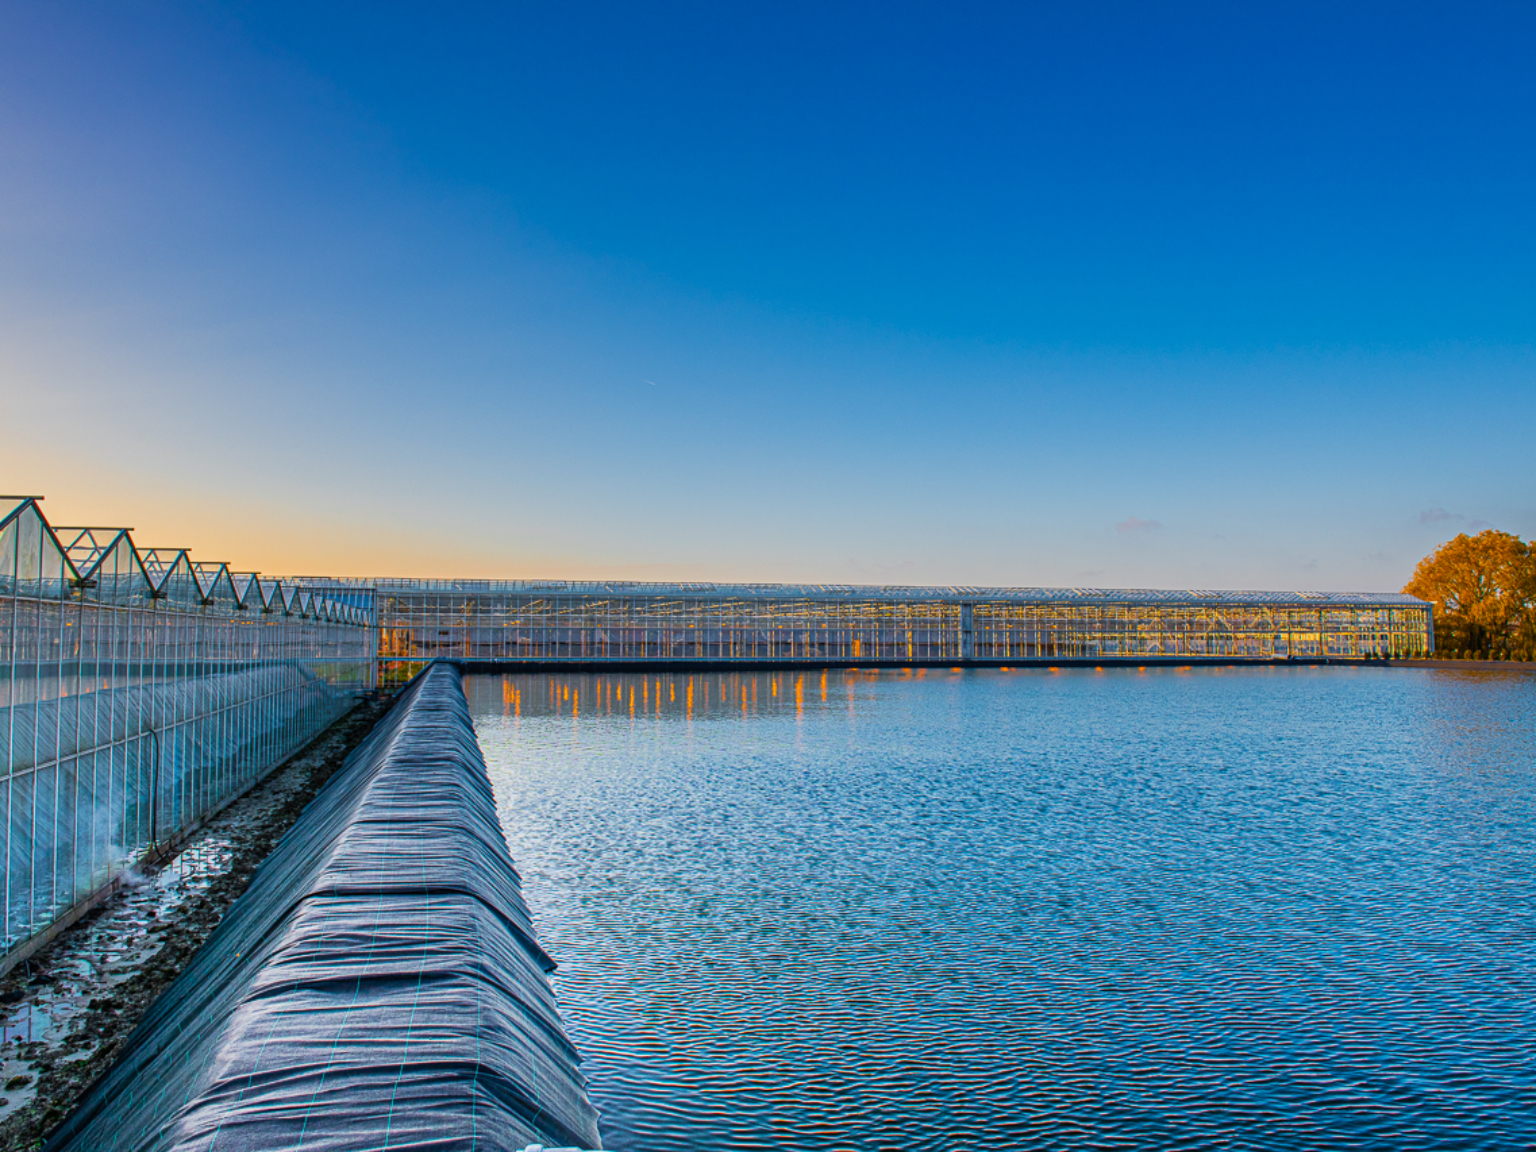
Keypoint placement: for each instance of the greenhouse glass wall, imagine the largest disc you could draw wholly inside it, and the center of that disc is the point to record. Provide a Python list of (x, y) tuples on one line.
[(140, 691), (526, 622)]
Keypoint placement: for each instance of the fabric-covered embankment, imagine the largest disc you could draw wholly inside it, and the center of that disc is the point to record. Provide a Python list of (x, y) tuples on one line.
[(377, 986)]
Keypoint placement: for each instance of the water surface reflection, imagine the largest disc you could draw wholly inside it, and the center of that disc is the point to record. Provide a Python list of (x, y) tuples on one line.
[(1262, 907)]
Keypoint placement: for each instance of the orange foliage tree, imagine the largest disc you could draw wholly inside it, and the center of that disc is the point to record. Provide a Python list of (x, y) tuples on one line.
[(1484, 591)]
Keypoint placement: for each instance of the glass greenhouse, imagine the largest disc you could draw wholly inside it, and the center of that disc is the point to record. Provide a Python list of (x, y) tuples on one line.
[(140, 691), (527, 622)]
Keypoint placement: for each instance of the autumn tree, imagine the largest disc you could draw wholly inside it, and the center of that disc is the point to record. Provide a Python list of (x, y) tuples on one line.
[(1484, 591)]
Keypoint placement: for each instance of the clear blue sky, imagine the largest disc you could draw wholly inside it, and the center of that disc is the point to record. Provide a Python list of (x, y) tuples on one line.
[(1155, 295)]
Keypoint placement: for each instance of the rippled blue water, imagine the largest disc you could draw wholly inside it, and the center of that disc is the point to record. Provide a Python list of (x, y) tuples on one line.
[(1259, 908)]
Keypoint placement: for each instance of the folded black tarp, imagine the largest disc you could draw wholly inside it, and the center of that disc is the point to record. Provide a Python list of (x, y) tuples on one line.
[(377, 986)]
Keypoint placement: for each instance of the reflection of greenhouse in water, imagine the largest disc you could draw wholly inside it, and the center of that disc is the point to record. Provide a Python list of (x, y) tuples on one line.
[(528, 622)]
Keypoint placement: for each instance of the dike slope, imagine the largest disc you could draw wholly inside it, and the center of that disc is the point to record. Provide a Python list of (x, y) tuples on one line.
[(378, 984)]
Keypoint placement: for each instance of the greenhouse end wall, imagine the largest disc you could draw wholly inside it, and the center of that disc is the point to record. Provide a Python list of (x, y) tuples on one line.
[(140, 691)]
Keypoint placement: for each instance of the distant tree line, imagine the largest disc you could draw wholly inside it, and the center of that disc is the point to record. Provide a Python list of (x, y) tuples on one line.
[(1484, 591)]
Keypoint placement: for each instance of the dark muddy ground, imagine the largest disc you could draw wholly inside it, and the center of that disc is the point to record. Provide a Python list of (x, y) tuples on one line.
[(67, 1011)]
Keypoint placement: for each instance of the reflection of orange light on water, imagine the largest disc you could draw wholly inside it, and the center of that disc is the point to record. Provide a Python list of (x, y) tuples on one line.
[(690, 697), (673, 693), (774, 685), (823, 687)]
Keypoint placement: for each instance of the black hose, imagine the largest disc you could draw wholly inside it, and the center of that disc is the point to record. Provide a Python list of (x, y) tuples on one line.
[(154, 795)]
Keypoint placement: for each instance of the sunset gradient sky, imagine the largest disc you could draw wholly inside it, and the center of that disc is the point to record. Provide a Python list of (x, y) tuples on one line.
[(1072, 294)]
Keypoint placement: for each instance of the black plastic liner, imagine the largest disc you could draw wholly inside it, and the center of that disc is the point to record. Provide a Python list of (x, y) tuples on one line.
[(377, 986)]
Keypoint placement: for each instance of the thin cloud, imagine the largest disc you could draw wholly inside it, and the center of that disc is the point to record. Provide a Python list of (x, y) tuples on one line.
[(1441, 516), (1137, 524)]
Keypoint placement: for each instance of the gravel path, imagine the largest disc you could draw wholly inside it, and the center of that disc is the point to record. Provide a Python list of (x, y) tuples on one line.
[(67, 1011)]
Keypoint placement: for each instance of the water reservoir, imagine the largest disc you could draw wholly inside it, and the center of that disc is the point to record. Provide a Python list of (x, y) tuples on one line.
[(1264, 907)]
